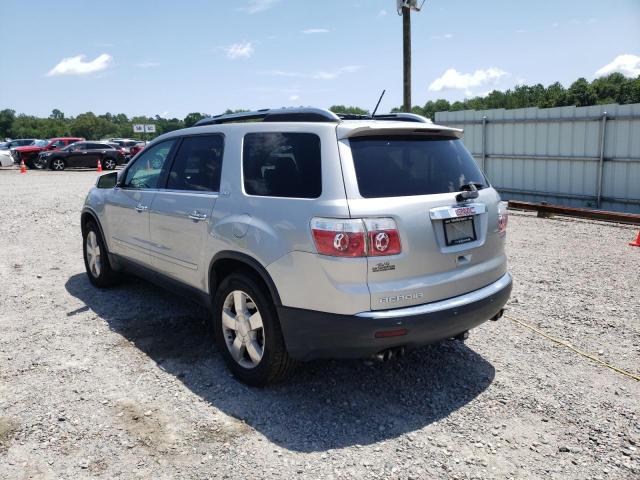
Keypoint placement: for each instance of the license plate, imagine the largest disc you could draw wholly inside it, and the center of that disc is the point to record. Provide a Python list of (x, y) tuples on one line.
[(459, 230)]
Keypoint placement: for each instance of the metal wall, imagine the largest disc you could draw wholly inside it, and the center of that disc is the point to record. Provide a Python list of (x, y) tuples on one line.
[(576, 156)]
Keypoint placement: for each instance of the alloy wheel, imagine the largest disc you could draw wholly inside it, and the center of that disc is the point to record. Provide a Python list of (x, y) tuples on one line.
[(243, 329), (58, 164), (93, 254), (109, 164)]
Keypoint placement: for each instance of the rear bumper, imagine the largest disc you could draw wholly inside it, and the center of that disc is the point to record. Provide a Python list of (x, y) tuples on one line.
[(311, 334)]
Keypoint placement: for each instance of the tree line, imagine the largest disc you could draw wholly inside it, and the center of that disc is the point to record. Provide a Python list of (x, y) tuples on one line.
[(614, 88)]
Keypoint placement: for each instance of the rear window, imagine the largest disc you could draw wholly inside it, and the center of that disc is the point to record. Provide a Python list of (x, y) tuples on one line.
[(405, 166), (282, 165)]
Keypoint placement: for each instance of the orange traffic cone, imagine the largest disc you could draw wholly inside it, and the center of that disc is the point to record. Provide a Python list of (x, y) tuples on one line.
[(99, 166), (23, 167), (636, 242)]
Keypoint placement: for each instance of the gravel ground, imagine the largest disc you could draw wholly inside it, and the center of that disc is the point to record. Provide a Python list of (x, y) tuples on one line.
[(124, 383)]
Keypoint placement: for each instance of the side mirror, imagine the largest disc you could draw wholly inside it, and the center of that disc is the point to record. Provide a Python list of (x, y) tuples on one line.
[(107, 181)]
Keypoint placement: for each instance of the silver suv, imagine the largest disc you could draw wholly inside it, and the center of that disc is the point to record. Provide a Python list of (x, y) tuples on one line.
[(308, 234)]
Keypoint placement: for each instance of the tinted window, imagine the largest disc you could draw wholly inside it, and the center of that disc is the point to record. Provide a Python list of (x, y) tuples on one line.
[(282, 165), (97, 146), (58, 143), (403, 166), (197, 164), (145, 171)]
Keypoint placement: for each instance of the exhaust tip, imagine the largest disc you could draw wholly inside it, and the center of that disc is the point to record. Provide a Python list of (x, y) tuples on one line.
[(389, 354), (498, 315)]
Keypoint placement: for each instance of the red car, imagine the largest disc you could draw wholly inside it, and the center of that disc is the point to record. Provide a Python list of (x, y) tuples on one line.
[(30, 153), (136, 148)]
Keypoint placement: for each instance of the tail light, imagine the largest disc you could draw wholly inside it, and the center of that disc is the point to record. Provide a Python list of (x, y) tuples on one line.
[(503, 218), (356, 237), (339, 237), (383, 236)]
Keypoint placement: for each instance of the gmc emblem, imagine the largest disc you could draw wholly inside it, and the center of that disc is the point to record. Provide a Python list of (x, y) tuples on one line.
[(465, 211)]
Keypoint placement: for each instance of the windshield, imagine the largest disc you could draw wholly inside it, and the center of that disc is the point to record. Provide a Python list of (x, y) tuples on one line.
[(40, 143), (70, 147), (400, 166)]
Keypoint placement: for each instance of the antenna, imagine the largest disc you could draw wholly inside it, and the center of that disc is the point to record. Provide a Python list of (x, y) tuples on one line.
[(378, 104)]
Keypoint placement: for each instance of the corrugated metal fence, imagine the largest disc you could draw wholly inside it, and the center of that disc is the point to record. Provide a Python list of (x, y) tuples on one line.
[(575, 156)]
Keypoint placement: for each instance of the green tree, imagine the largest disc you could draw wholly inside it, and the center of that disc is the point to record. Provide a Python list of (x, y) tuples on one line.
[(191, 119), (56, 114), (581, 93), (89, 126), (343, 109), (7, 117)]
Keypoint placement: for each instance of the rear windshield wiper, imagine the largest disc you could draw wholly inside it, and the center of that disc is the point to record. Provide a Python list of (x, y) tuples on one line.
[(468, 191)]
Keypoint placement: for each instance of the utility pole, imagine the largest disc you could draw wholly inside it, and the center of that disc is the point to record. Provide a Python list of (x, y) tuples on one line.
[(406, 56)]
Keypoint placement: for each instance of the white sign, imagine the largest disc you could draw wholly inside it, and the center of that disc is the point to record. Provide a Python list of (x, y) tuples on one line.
[(138, 128), (150, 128)]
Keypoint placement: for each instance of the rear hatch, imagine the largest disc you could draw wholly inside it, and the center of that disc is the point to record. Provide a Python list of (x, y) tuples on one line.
[(449, 245)]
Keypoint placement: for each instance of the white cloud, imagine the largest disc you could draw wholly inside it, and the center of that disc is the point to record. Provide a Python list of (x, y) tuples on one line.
[(147, 64), (454, 80), (627, 64), (78, 66), (446, 36), (315, 30), (317, 75), (239, 50), (293, 98), (382, 13), (257, 6)]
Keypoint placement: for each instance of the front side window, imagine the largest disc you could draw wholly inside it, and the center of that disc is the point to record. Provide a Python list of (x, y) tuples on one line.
[(282, 165), (398, 166), (58, 144), (146, 170)]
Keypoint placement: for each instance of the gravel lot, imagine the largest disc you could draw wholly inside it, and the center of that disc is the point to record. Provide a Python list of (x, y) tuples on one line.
[(125, 383)]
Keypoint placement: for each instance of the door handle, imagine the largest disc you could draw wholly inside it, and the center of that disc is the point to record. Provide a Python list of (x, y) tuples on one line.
[(197, 216), (141, 208)]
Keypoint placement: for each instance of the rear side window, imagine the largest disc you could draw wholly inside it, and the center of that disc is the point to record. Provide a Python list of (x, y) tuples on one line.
[(405, 166), (197, 164), (282, 165)]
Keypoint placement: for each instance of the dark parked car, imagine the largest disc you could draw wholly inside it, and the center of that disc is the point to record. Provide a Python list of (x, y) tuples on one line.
[(19, 142), (83, 154)]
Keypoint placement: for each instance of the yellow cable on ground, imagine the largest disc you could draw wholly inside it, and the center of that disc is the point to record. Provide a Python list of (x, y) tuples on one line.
[(571, 347)]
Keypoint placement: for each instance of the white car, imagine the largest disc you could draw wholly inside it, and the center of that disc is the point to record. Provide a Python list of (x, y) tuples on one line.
[(6, 160)]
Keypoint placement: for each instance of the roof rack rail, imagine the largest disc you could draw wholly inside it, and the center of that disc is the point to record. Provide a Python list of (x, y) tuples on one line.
[(274, 115), (398, 117)]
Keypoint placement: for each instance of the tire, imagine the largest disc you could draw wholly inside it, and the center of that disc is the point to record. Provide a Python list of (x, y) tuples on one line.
[(98, 269), (109, 163), (57, 164), (261, 357)]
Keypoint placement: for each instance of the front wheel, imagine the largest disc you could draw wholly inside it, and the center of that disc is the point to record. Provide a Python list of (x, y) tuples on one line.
[(96, 260), (58, 164), (248, 332)]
